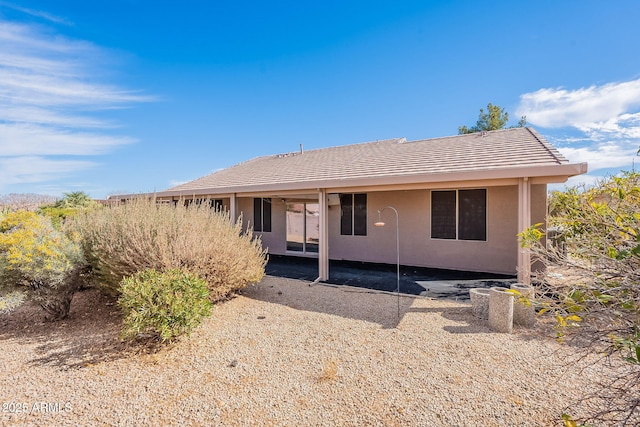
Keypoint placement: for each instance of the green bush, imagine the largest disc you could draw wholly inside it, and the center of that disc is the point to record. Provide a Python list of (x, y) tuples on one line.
[(69, 205), (121, 240), (164, 305), (57, 215)]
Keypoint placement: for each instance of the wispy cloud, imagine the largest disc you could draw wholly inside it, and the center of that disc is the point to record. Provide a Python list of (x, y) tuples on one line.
[(607, 117), (601, 156), (31, 169), (37, 13), (45, 140), (51, 98)]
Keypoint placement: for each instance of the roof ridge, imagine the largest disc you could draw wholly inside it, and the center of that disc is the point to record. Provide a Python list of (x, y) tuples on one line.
[(377, 141), (462, 135), (547, 146)]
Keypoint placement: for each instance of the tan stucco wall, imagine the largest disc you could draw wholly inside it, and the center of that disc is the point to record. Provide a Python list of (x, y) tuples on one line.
[(498, 254), (274, 241)]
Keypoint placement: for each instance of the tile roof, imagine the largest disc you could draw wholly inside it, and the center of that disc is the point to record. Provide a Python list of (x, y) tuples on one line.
[(494, 150)]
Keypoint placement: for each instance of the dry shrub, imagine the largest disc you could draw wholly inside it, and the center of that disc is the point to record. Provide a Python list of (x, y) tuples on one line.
[(122, 240), (592, 286)]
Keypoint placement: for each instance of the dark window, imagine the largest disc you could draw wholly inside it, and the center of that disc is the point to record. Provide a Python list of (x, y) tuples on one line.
[(459, 214), (213, 203), (216, 204), (353, 214), (346, 214), (262, 214), (472, 214), (360, 214), (443, 214)]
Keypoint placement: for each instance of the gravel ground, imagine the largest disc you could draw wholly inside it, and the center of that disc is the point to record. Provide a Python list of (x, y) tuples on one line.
[(287, 354)]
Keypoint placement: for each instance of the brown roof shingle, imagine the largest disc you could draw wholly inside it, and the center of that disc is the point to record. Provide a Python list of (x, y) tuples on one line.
[(501, 149)]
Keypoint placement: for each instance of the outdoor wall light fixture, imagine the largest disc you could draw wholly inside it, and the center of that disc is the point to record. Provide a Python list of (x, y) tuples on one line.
[(381, 223)]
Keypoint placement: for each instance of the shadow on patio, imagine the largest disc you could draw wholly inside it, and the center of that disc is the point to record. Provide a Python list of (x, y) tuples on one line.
[(430, 282)]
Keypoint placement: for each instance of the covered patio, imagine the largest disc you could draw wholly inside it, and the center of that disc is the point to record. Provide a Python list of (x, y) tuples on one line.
[(428, 282)]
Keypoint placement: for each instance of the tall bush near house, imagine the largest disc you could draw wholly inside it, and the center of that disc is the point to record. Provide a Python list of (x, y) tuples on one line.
[(163, 305), (121, 240), (41, 260), (596, 298)]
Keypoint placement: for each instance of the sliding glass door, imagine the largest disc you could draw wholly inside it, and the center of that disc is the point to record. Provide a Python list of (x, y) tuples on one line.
[(303, 227)]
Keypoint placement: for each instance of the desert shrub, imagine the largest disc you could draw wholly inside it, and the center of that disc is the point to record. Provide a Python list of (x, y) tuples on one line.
[(39, 259), (162, 305), (10, 301), (57, 215), (593, 284), (121, 240), (76, 200), (69, 205)]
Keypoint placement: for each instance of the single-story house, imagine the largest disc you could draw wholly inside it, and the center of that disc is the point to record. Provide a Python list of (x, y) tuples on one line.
[(461, 200)]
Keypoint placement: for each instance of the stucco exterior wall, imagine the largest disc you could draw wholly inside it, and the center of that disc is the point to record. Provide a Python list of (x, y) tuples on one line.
[(498, 254), (275, 240)]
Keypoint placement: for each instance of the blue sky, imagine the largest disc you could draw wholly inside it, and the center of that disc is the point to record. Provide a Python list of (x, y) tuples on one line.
[(131, 96)]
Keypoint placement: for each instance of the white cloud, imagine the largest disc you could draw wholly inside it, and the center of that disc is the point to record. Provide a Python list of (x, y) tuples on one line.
[(33, 114), (580, 108), (30, 169), (601, 156), (37, 13), (607, 118), (51, 95), (27, 139), (577, 181)]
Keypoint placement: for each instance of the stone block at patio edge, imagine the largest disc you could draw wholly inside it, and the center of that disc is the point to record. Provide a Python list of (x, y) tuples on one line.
[(501, 310), (480, 302)]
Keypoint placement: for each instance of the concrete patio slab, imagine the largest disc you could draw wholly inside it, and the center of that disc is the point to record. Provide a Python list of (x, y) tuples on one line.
[(429, 282)]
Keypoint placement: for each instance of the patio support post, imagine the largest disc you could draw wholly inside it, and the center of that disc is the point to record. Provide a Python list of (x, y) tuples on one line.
[(524, 221), (233, 208), (323, 244)]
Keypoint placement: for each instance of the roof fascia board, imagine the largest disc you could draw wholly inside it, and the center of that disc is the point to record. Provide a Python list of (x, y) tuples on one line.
[(547, 173)]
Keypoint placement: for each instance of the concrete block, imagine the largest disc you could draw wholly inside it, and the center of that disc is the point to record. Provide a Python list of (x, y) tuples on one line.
[(523, 314), (501, 310), (480, 302)]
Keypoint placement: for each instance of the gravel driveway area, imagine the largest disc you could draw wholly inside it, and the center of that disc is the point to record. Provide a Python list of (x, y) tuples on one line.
[(284, 353)]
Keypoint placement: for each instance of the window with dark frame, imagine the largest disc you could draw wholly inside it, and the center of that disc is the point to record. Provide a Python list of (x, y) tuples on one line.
[(216, 204), (459, 214), (262, 214), (353, 214)]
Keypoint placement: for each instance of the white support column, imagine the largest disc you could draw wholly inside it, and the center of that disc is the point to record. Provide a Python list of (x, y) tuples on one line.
[(524, 222), (323, 249), (233, 208)]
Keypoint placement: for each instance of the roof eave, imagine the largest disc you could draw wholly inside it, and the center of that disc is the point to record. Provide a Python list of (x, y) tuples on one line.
[(552, 173)]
